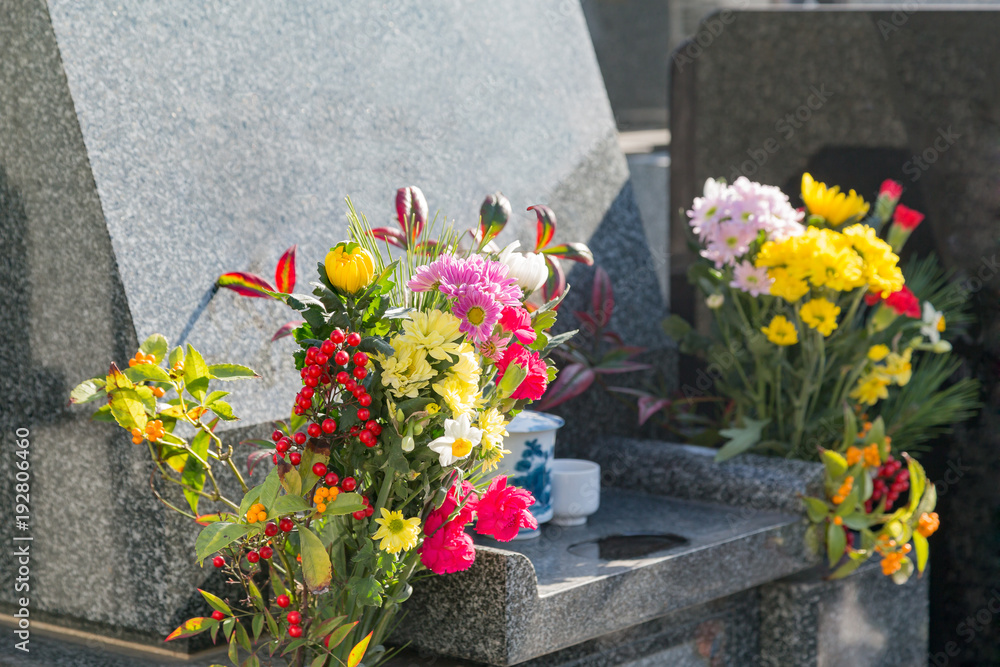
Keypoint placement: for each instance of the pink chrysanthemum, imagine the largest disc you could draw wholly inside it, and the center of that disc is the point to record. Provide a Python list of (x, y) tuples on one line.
[(494, 347), (751, 279), (428, 277), (503, 510), (479, 313), (534, 385), (493, 278)]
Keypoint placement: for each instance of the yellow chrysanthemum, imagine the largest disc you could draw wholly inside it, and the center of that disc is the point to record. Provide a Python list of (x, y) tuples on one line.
[(434, 331), (898, 368), (492, 424), (397, 533), (786, 286), (817, 257), (821, 315), (407, 371), (871, 388), (881, 270), (780, 331), (831, 204), (459, 396), (878, 352)]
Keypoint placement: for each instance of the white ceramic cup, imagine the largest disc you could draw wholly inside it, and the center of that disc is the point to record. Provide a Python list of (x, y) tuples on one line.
[(576, 491)]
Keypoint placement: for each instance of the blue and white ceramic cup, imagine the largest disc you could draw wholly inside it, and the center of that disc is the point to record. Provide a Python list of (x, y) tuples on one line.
[(532, 442)]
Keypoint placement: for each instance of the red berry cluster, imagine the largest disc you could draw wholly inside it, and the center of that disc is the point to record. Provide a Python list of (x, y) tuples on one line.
[(322, 384), (891, 480), (294, 619), (366, 512)]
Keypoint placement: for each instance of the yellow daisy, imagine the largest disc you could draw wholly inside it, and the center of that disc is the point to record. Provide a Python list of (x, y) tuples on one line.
[(878, 352), (871, 388), (397, 533)]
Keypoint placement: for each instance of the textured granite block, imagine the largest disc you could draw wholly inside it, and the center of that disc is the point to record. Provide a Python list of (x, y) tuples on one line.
[(534, 597), (864, 620), (749, 483)]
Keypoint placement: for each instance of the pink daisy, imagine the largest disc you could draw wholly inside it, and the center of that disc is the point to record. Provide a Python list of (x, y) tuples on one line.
[(493, 348), (479, 313), (751, 279), (428, 277)]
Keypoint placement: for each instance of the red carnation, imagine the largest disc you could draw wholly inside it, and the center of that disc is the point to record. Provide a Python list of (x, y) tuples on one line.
[(534, 385), (448, 550), (904, 302), (871, 298), (503, 510), (907, 218), (891, 189), (517, 320), (451, 502)]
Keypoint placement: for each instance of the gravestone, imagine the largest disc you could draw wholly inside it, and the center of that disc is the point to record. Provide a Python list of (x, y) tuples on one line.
[(855, 96), (146, 149)]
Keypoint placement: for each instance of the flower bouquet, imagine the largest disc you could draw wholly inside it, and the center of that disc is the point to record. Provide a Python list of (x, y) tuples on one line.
[(825, 347), (410, 370)]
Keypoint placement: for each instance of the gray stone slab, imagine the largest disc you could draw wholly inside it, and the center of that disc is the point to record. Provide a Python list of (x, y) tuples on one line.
[(864, 620), (534, 597)]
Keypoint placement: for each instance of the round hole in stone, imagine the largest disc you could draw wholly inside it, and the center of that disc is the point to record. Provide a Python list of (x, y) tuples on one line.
[(625, 547)]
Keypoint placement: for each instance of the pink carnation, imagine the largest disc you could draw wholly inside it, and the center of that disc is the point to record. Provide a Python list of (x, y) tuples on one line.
[(517, 320), (534, 385), (503, 510), (448, 550)]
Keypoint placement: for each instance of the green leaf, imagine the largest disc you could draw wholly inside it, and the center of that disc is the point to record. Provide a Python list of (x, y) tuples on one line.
[(858, 521), (272, 625), (216, 395), (194, 473), (242, 637), (216, 602), (195, 373), (316, 568), (155, 345), (87, 391), (345, 503), (741, 439), (289, 504), (845, 569), (176, 354), (836, 542), (836, 465), (222, 410), (319, 660), (338, 636), (234, 651), (511, 380), (816, 509), (922, 550), (290, 479), (250, 498), (255, 596), (918, 481), (366, 590), (217, 536), (103, 414), (142, 372), (230, 372), (269, 489), (326, 627), (128, 409)]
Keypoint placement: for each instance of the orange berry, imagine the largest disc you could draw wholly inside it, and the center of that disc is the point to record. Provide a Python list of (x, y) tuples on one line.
[(838, 521), (321, 508), (928, 524), (853, 455), (131, 363)]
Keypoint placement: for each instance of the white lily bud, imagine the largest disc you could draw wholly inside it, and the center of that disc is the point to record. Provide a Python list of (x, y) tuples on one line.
[(528, 269)]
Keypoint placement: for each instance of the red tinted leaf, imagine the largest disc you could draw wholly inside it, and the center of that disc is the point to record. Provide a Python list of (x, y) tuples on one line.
[(546, 226), (615, 367), (649, 406), (586, 321), (256, 457), (555, 284), (246, 284), (577, 252), (602, 297), (570, 383), (191, 627), (427, 247), (493, 216), (286, 329), (411, 207), (390, 236), (284, 274), (612, 337), (358, 652)]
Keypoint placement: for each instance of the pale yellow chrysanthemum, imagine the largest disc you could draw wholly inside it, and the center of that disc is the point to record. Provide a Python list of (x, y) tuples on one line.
[(871, 388), (492, 424), (878, 352), (435, 332), (407, 371), (397, 533), (898, 368), (460, 397)]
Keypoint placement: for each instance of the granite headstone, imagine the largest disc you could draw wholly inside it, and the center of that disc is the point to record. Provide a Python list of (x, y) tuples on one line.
[(145, 149)]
